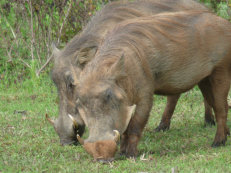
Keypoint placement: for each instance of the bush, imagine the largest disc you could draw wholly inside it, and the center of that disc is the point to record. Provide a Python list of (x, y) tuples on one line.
[(30, 26)]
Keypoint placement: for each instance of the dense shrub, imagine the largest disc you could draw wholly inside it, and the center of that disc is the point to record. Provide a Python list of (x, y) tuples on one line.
[(28, 28)]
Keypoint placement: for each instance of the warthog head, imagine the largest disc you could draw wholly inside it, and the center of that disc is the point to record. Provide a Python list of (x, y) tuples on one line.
[(104, 107), (69, 123)]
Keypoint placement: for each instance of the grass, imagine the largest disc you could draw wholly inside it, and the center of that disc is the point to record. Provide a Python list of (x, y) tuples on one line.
[(28, 143)]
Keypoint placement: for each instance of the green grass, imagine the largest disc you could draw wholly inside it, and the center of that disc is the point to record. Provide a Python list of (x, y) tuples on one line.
[(28, 143)]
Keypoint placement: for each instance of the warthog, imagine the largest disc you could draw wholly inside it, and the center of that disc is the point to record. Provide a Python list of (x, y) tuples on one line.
[(165, 54), (82, 48)]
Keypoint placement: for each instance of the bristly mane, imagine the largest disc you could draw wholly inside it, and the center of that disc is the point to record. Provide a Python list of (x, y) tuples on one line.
[(138, 35), (116, 12)]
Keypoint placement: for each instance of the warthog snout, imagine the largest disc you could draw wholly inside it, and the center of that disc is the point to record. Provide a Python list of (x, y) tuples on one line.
[(101, 150), (67, 131)]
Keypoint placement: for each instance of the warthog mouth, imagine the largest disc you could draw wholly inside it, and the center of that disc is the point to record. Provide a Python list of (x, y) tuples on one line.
[(68, 139), (104, 161), (75, 143), (71, 142)]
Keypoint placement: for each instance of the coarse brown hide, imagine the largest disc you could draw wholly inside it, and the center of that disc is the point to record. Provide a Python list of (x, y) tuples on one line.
[(82, 48), (165, 54)]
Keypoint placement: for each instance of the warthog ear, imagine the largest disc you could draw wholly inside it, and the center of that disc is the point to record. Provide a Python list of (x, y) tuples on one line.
[(70, 79), (118, 69), (86, 54), (55, 50)]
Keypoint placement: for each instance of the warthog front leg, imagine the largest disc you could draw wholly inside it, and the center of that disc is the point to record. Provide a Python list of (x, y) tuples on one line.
[(133, 133)]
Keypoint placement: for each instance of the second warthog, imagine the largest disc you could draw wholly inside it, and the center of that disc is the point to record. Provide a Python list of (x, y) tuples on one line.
[(164, 54)]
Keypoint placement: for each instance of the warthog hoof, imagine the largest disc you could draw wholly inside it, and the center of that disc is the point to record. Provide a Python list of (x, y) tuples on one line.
[(221, 139), (130, 148), (219, 143), (209, 121), (128, 155), (162, 127)]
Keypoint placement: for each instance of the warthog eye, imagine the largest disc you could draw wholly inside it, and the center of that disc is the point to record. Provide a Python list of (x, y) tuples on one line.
[(69, 83), (108, 95), (70, 87), (70, 90), (69, 79)]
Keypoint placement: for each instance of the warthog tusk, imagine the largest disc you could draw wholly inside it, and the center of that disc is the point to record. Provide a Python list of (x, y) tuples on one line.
[(81, 141), (117, 135), (50, 120), (73, 120)]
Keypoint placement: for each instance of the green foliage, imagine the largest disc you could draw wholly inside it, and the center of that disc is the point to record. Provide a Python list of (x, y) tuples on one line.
[(29, 27), (207, 3), (223, 10), (33, 76), (221, 7)]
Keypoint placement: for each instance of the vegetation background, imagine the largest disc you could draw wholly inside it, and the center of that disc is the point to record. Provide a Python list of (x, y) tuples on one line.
[(29, 27), (29, 144)]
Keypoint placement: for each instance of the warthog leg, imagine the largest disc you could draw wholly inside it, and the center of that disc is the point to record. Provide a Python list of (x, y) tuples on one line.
[(215, 89), (170, 107), (133, 133), (168, 112), (209, 117)]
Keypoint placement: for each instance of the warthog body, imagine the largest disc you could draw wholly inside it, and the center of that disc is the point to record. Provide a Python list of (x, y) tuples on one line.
[(164, 54), (82, 48)]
